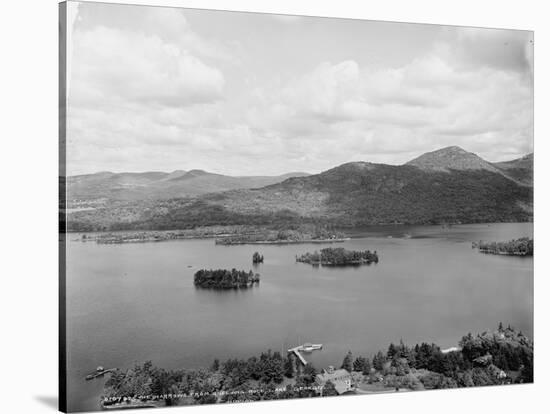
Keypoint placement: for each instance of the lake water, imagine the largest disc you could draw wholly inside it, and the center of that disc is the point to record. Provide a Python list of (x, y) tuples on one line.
[(130, 303)]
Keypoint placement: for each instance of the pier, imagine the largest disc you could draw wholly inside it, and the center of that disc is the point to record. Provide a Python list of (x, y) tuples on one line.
[(99, 372), (307, 347)]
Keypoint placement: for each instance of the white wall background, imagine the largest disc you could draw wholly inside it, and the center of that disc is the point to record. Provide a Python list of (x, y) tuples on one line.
[(28, 150)]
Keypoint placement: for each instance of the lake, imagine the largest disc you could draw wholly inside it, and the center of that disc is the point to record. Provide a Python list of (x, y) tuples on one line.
[(129, 303)]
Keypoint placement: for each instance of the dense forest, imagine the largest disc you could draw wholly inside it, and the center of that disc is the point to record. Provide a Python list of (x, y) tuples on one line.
[(225, 279), (338, 257), (518, 247), (491, 358), (345, 196)]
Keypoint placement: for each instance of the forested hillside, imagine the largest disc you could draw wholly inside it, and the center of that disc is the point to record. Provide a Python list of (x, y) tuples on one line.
[(462, 188)]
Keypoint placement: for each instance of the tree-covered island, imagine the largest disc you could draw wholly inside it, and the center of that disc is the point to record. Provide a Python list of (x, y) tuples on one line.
[(338, 257), (504, 356), (257, 258), (225, 279), (517, 247)]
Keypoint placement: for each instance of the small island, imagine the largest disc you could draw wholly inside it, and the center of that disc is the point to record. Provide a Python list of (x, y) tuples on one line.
[(518, 247), (257, 258), (225, 279), (338, 257)]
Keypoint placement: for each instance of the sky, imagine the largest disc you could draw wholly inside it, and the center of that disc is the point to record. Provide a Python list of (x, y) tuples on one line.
[(163, 89)]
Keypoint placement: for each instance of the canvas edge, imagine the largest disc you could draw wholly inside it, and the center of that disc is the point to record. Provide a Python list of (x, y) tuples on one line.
[(62, 375)]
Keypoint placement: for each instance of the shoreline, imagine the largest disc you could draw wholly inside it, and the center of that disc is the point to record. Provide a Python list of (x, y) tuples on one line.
[(338, 240), (401, 368), (227, 231)]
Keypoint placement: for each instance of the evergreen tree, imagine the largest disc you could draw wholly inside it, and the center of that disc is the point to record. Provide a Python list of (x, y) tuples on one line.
[(359, 364), (348, 361), (392, 350), (378, 361), (289, 366), (367, 367)]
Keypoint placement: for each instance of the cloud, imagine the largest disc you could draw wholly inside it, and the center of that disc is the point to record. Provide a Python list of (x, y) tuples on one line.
[(149, 91), (428, 103), (112, 64)]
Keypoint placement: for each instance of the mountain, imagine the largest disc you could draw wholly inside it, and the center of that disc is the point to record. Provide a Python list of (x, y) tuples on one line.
[(160, 185), (446, 186), (107, 184), (455, 158), (451, 158), (520, 169)]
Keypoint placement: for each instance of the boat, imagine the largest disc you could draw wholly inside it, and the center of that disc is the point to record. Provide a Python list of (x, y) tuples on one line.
[(308, 347), (99, 372)]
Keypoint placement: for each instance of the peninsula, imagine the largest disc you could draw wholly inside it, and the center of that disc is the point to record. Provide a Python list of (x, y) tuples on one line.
[(518, 247)]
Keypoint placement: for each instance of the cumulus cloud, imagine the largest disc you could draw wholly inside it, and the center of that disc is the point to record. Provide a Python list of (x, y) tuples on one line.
[(161, 88), (110, 63), (428, 103)]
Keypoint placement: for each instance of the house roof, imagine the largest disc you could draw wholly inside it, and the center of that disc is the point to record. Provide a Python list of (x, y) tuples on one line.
[(339, 374), (340, 378)]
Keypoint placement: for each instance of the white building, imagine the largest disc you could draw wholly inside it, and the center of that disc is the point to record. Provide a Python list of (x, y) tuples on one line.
[(342, 379)]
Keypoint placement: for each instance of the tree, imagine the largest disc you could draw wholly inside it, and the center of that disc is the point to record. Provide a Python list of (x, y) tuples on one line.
[(401, 366), (309, 374), (347, 363), (216, 365), (366, 367), (526, 372), (392, 350), (437, 381), (289, 366), (378, 361), (359, 364), (329, 390), (257, 258)]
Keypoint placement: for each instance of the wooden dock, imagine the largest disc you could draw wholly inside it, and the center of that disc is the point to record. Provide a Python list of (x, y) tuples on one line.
[(98, 374), (297, 350)]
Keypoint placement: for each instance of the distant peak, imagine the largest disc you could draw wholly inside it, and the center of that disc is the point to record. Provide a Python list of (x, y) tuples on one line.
[(451, 158), (453, 148), (196, 172)]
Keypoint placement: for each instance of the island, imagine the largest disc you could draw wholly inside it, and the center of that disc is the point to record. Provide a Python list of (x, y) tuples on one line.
[(338, 257), (257, 258), (517, 247), (225, 279)]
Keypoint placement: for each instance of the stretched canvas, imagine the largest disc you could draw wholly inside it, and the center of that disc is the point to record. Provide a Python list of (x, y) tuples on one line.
[(258, 206)]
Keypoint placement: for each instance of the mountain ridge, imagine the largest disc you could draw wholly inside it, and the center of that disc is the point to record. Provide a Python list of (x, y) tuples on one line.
[(356, 193), (127, 186)]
